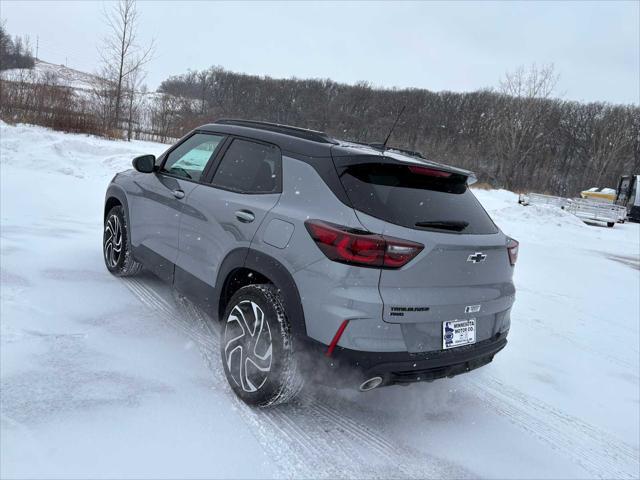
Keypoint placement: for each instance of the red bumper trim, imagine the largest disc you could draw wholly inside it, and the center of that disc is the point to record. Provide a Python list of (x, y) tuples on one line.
[(336, 338)]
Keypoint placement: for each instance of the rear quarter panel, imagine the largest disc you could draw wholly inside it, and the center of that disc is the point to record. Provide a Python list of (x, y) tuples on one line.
[(330, 292)]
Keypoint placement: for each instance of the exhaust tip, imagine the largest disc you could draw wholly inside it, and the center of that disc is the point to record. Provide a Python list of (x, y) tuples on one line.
[(370, 384)]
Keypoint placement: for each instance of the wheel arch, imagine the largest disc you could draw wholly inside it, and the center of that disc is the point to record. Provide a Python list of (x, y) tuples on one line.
[(246, 266), (115, 196)]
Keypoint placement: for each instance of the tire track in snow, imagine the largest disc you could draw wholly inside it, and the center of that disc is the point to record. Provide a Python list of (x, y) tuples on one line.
[(593, 449), (600, 353), (179, 317), (154, 301), (308, 437), (591, 349), (304, 447)]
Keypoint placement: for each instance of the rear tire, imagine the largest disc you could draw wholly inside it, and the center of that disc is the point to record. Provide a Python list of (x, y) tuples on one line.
[(116, 247), (256, 347), (610, 224)]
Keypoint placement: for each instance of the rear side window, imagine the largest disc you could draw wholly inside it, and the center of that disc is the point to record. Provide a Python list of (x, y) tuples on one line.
[(416, 197), (250, 167)]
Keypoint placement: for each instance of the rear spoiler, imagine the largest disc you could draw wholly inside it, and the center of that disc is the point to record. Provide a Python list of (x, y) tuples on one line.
[(393, 156)]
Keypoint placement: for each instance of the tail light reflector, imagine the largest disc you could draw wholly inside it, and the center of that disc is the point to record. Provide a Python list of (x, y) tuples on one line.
[(358, 247), (336, 338), (512, 248)]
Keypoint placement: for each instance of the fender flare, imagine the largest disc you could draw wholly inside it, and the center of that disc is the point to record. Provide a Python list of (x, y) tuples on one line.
[(117, 192), (276, 272)]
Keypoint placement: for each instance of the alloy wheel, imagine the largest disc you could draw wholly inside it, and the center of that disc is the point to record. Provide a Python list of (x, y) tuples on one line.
[(248, 346), (113, 241)]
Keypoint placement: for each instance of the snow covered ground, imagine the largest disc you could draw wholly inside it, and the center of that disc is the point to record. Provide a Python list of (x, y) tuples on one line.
[(64, 75), (108, 377)]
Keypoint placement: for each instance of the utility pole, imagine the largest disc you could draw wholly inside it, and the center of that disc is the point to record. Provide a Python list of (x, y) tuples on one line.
[(37, 44)]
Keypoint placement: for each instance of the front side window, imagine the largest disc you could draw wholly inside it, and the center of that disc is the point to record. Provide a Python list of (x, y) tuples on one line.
[(190, 158), (250, 167)]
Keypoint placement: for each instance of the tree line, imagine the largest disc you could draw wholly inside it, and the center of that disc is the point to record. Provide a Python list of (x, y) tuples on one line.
[(14, 52), (517, 136)]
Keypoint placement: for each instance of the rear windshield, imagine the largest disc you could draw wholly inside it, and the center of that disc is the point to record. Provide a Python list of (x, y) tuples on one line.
[(416, 197)]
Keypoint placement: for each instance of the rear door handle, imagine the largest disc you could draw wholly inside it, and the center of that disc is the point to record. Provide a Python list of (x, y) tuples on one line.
[(178, 193), (245, 216)]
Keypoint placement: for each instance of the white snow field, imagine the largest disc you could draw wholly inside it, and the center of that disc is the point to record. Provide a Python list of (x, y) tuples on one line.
[(63, 75), (105, 377)]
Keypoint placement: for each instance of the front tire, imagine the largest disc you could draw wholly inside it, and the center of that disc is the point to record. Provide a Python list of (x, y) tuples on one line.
[(256, 347), (116, 247)]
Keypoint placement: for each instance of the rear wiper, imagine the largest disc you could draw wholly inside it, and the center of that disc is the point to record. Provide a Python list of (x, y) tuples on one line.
[(444, 225)]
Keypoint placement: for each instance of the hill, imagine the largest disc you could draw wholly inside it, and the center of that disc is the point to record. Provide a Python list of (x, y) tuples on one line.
[(65, 76)]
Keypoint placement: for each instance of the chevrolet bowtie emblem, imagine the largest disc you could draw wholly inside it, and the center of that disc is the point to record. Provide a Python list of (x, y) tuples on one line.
[(477, 257)]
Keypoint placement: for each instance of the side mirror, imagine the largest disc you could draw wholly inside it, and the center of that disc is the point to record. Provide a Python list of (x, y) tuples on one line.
[(144, 163)]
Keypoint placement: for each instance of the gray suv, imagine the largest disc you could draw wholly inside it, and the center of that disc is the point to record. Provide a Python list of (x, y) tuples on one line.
[(324, 260)]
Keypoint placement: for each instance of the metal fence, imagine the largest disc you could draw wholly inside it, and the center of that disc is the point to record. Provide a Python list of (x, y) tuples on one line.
[(586, 210)]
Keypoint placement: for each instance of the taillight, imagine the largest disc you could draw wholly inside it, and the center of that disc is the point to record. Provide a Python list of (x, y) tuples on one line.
[(357, 247), (512, 248)]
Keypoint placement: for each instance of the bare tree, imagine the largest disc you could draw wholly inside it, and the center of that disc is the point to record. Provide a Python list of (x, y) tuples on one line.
[(133, 99), (16, 52), (121, 56), (521, 129), (530, 83)]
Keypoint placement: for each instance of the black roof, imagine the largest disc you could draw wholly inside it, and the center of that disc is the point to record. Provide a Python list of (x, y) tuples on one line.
[(292, 139), (298, 132), (289, 139), (313, 143)]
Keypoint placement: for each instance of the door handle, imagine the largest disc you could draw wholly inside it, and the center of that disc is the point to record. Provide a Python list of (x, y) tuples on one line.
[(245, 216), (178, 193)]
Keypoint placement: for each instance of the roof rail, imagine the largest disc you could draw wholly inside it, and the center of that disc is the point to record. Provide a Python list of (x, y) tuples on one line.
[(312, 135)]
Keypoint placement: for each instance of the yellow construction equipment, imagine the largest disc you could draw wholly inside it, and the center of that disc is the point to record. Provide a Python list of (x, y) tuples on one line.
[(607, 195)]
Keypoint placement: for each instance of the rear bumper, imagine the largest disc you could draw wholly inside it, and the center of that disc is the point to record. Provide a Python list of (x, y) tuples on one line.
[(352, 367)]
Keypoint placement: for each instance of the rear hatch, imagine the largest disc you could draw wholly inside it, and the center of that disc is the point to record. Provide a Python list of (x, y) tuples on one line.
[(463, 271)]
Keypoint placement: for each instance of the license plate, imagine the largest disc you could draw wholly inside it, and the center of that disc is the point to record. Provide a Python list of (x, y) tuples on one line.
[(456, 333)]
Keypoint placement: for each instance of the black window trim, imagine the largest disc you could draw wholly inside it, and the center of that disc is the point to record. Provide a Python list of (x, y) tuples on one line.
[(214, 156), (210, 173)]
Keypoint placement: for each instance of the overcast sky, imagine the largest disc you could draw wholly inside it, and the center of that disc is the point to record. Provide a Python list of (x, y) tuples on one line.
[(455, 46)]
